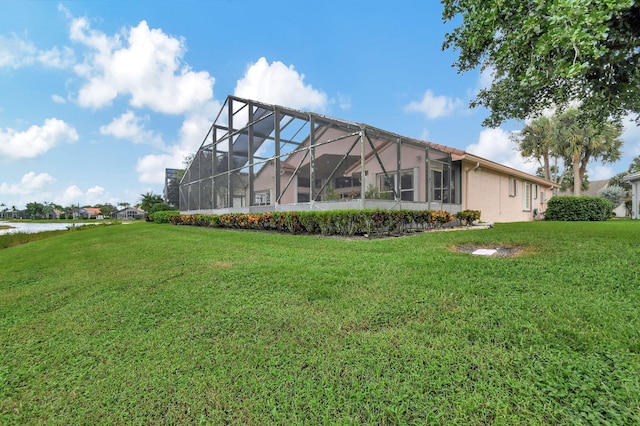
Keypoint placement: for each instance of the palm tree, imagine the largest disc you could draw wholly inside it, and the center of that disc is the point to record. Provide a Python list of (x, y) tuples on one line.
[(581, 142), (148, 200), (536, 140)]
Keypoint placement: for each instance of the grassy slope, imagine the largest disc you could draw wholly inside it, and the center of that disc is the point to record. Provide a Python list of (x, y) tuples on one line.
[(161, 324)]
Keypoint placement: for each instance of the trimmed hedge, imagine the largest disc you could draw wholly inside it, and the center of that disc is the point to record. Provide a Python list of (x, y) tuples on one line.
[(331, 222), (467, 217), (162, 216), (568, 208)]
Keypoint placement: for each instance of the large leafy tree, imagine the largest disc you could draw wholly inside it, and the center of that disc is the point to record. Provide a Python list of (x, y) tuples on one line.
[(35, 210), (545, 53)]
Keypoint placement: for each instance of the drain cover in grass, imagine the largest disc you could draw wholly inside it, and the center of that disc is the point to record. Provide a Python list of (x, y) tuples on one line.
[(484, 252)]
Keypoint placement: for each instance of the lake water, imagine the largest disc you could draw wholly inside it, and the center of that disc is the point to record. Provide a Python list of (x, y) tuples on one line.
[(29, 227)]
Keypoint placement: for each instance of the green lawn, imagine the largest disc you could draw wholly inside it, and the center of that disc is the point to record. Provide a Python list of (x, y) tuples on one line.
[(159, 324)]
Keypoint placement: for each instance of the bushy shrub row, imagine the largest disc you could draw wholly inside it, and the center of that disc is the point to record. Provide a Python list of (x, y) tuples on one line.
[(332, 222), (579, 209), (162, 216)]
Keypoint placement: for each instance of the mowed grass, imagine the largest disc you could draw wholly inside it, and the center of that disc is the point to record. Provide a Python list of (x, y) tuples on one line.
[(158, 324)]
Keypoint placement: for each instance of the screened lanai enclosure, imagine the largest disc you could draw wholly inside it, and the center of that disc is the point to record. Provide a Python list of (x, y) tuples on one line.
[(258, 157)]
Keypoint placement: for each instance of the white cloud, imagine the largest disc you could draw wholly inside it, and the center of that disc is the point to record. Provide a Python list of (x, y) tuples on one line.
[(16, 52), (142, 63), (496, 145), (36, 140), (31, 183), (131, 127), (279, 84), (344, 101), (151, 168), (435, 106), (194, 128), (95, 195), (58, 99), (71, 196), (146, 65)]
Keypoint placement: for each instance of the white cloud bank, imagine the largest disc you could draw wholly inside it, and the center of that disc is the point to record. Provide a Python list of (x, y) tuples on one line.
[(36, 140), (432, 106), (146, 66), (31, 183), (73, 196)]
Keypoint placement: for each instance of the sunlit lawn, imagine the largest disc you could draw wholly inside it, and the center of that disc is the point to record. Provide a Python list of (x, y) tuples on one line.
[(159, 324)]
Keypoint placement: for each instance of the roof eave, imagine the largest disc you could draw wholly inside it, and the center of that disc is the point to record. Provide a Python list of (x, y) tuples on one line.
[(505, 169)]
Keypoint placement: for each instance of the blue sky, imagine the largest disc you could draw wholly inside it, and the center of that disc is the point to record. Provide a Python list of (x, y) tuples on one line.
[(98, 98)]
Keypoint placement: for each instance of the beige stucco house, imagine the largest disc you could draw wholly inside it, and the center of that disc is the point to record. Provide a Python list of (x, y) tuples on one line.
[(259, 157)]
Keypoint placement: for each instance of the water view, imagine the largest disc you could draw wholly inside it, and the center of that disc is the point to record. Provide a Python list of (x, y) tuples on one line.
[(32, 227)]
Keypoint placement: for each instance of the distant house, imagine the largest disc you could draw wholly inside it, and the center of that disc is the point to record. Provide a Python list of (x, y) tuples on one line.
[(130, 213), (634, 180), (259, 157), (89, 212)]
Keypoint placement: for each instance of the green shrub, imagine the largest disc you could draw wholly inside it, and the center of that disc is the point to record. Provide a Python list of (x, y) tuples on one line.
[(161, 207), (163, 216), (467, 217), (579, 209)]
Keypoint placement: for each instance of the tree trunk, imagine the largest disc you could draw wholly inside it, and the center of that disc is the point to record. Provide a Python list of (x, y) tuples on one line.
[(577, 176), (547, 168)]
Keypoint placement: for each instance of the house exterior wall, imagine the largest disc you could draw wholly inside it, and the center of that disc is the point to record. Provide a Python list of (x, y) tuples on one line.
[(491, 192), (634, 180), (635, 199)]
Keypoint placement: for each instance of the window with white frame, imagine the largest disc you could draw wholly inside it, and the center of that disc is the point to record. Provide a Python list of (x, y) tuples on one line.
[(513, 187), (262, 198), (526, 196)]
